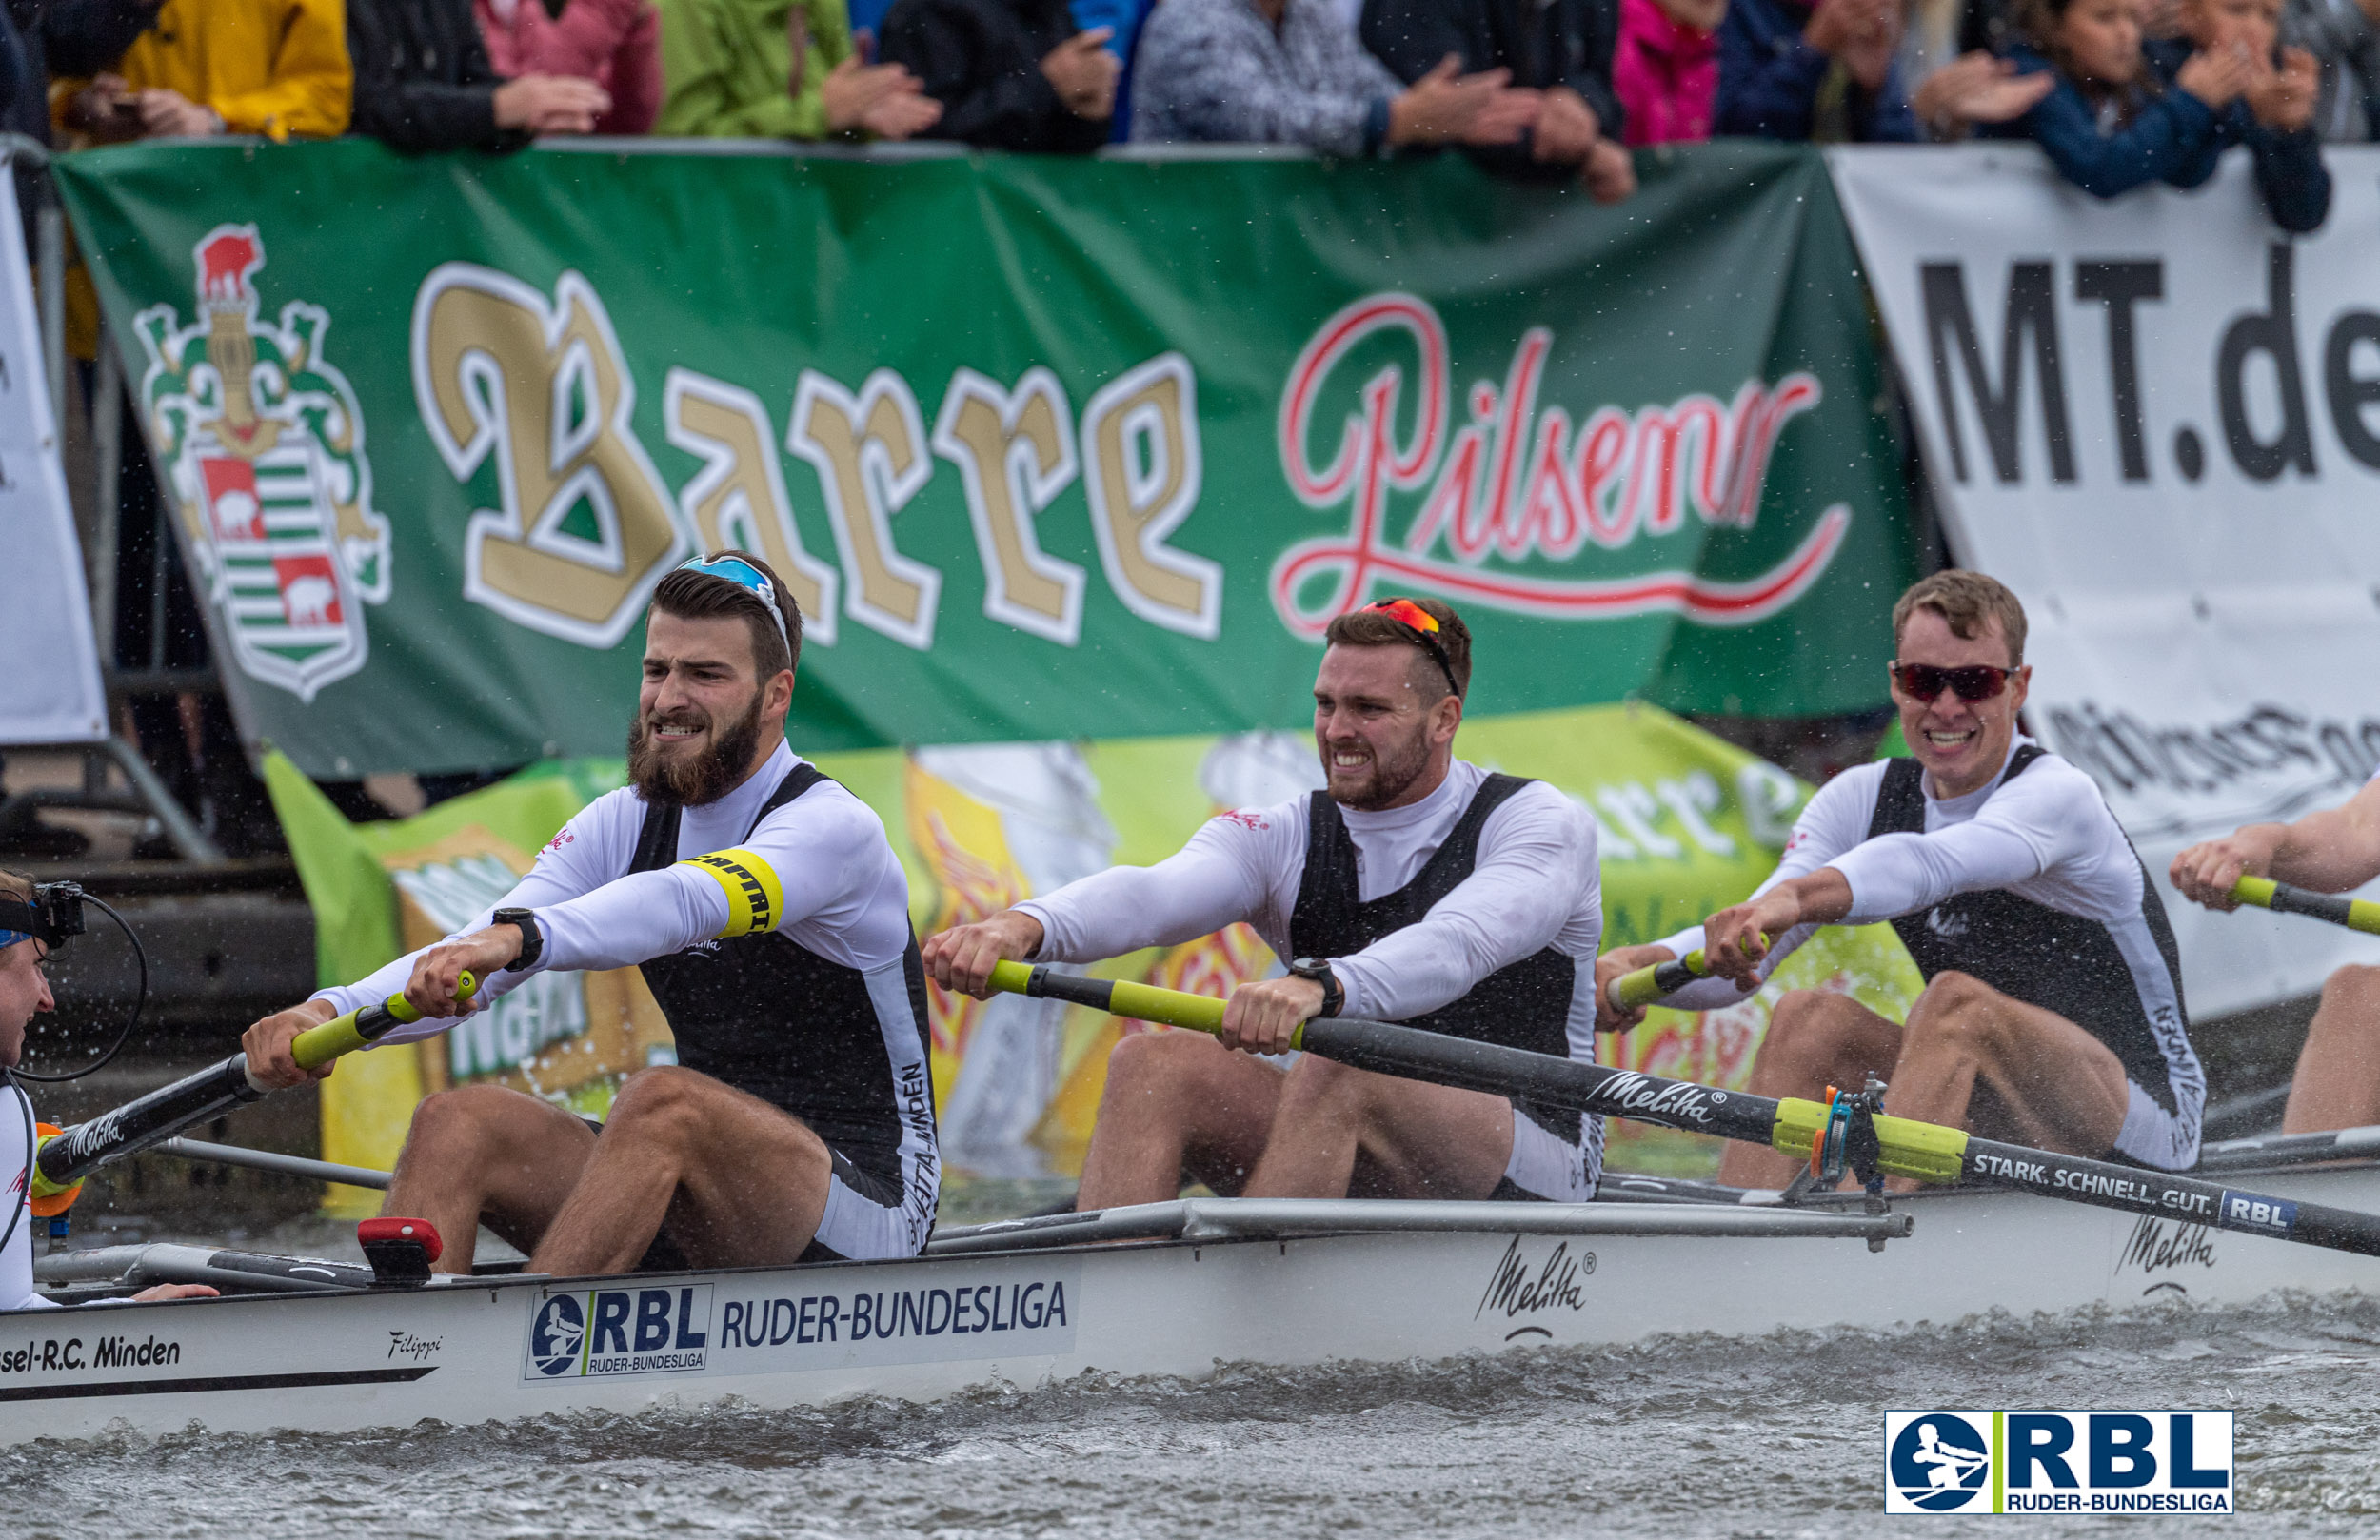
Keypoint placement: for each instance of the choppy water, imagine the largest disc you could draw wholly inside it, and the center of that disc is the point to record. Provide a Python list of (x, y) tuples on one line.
[(1777, 1436)]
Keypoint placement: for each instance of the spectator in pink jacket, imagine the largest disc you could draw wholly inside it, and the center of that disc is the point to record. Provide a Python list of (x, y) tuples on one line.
[(614, 43), (1666, 70)]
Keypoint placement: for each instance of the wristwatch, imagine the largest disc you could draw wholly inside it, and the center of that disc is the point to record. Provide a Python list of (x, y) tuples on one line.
[(532, 940), (1318, 968)]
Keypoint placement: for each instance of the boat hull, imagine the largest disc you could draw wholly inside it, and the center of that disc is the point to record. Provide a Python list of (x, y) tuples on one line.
[(927, 1326)]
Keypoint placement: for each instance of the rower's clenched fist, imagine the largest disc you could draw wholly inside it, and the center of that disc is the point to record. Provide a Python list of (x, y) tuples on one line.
[(961, 956), (2206, 873), (1615, 965), (434, 989), (267, 1045), (1262, 1016), (1736, 941)]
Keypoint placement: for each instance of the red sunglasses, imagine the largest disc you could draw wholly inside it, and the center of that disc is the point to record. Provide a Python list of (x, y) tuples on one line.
[(1977, 682)]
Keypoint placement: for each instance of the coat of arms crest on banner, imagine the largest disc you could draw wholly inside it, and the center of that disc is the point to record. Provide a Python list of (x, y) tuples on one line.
[(261, 447)]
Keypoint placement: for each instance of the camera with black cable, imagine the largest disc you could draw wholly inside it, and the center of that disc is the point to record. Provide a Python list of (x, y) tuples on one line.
[(36, 918)]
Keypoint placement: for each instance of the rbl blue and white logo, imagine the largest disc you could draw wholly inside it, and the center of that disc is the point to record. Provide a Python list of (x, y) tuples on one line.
[(2057, 1462), (620, 1331), (557, 1334), (1939, 1462)]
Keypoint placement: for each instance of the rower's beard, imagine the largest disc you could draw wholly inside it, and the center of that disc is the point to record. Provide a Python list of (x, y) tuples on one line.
[(1393, 771), (672, 779)]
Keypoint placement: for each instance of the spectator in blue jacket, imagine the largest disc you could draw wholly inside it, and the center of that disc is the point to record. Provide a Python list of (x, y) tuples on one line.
[(2121, 117), (1822, 72)]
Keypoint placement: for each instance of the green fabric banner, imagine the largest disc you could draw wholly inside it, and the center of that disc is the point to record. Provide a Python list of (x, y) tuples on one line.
[(1047, 449)]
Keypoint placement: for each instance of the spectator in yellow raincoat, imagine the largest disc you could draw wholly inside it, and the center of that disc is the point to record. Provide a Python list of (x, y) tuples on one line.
[(275, 67)]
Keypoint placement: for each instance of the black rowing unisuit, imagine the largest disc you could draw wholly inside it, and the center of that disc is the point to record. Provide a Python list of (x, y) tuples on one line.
[(765, 1014), (1526, 1004), (2030, 951)]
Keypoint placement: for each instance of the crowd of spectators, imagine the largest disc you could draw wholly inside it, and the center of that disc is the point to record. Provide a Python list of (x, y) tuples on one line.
[(2118, 92)]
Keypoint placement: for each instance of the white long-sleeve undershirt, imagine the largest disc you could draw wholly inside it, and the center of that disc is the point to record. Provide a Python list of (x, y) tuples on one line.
[(2047, 836), (17, 1258), (845, 896), (1535, 885)]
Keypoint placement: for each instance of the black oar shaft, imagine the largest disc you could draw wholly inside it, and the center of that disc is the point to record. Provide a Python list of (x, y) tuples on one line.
[(136, 1125), (1923, 1151), (69, 1157)]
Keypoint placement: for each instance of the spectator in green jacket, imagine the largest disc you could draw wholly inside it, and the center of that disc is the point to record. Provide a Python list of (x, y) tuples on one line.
[(779, 69)]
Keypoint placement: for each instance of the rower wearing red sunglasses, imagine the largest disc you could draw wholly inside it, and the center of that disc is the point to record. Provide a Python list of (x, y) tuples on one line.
[(2052, 1009), (1410, 886)]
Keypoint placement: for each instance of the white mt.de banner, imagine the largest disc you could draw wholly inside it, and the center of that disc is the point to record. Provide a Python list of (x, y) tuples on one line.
[(2157, 419), (49, 684)]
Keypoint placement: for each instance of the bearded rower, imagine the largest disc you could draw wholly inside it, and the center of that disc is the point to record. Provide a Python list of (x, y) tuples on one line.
[(1415, 888), (2052, 1009), (770, 918), (2337, 850)]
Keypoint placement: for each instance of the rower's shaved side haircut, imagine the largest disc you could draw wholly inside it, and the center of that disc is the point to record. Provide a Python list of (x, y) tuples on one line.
[(702, 596), (1965, 600), (1375, 628)]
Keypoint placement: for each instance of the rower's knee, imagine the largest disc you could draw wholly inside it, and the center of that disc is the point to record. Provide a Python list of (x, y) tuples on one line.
[(464, 1126), (1317, 1085), (1805, 1035), (2350, 997), (1960, 1010), (664, 1103), (1159, 1063)]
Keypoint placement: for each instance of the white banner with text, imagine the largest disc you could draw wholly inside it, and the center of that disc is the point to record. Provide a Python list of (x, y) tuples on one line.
[(50, 690), (2157, 419)]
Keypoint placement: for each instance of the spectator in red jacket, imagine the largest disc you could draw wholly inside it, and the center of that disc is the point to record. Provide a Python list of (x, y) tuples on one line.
[(614, 43)]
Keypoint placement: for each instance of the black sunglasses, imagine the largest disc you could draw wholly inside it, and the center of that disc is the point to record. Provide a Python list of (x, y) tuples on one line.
[(1977, 682)]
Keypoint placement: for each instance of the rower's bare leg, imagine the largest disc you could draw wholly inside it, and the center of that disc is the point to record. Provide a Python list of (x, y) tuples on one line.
[(483, 1155), (1414, 1141), (740, 1182), (2337, 1084), (1815, 1038), (1178, 1106), (2063, 1088)]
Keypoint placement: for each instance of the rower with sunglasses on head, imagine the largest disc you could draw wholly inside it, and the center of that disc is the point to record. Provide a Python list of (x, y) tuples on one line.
[(1414, 887), (771, 919), (2052, 1009)]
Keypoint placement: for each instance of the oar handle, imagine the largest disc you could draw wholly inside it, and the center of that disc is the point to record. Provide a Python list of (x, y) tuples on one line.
[(1651, 985), (2263, 893), (1143, 1002), (317, 1046)]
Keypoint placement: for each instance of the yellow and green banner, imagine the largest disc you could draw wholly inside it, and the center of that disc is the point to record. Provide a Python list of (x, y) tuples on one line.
[(1047, 449), (1689, 825)]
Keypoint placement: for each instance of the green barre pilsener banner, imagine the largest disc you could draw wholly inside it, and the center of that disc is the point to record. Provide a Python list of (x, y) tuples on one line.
[(1047, 449)]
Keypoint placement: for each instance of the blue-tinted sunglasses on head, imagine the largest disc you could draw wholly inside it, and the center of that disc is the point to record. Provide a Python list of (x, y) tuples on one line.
[(744, 575)]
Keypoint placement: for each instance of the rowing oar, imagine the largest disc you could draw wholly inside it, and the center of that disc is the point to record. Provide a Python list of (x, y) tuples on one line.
[(1651, 985), (1924, 1152), (67, 1158), (2263, 893)]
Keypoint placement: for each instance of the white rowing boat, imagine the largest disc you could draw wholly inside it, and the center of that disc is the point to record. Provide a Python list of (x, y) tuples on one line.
[(1169, 1289)]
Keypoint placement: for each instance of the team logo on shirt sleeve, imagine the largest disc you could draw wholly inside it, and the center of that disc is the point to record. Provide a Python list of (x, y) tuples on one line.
[(755, 899)]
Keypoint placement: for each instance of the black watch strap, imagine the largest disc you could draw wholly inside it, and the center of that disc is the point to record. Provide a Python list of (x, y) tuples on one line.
[(1318, 970), (532, 938)]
